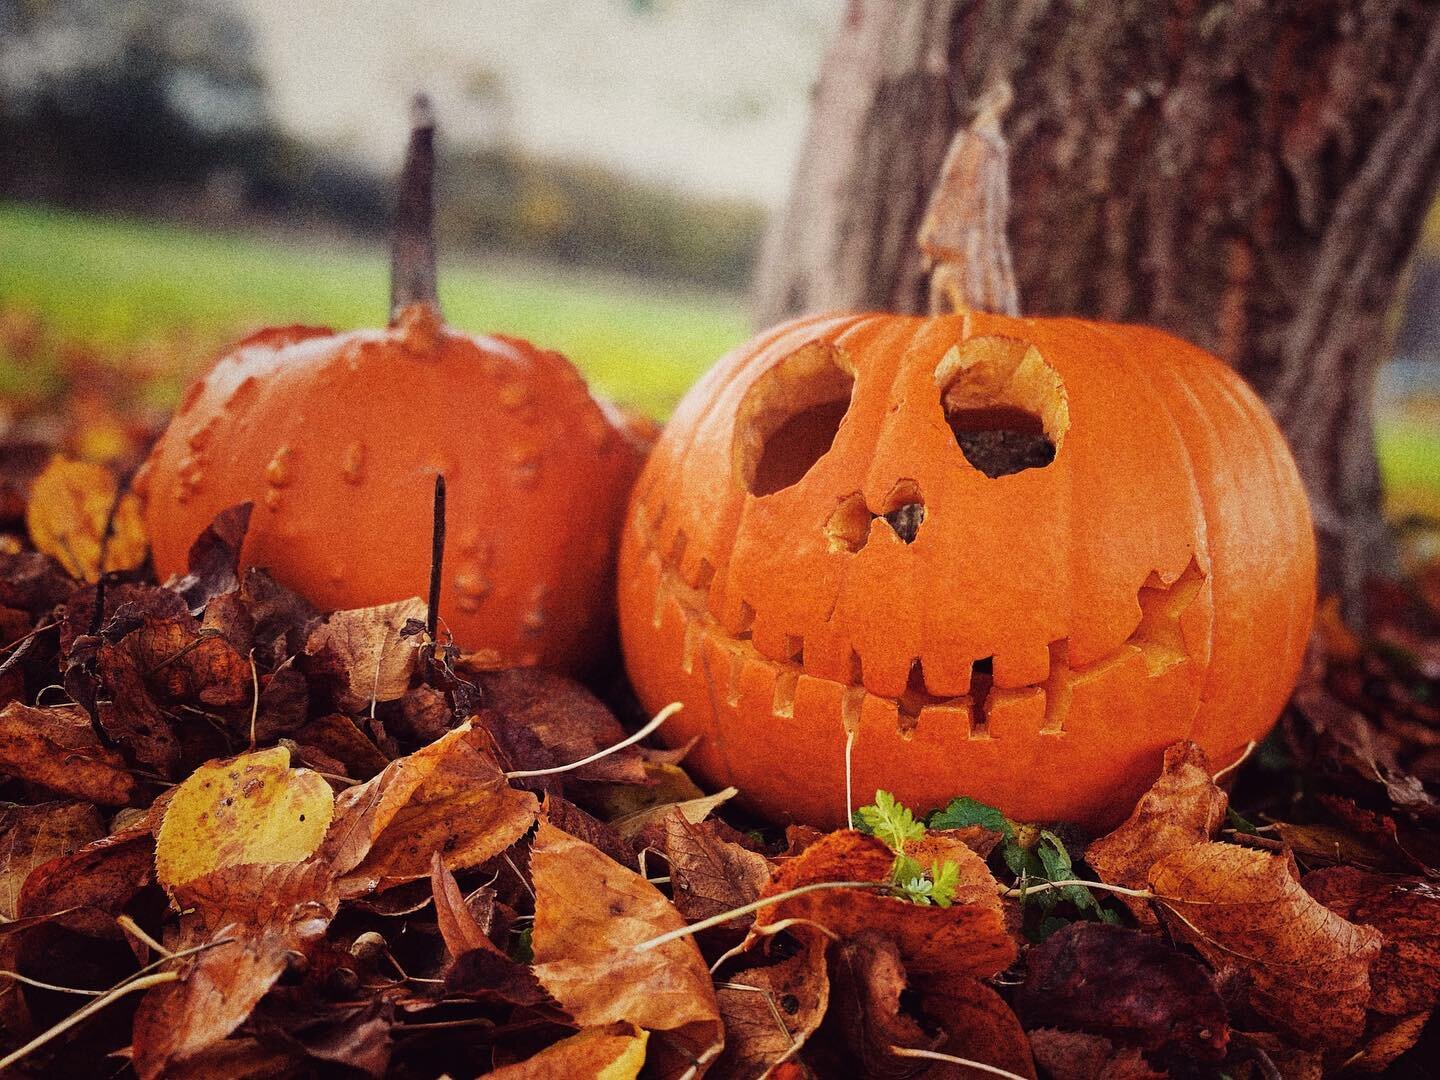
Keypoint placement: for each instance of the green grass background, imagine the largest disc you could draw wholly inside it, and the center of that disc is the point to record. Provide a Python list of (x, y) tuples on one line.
[(116, 282)]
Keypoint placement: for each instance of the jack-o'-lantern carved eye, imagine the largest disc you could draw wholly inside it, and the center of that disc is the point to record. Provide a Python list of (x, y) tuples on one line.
[(1005, 405), (789, 418)]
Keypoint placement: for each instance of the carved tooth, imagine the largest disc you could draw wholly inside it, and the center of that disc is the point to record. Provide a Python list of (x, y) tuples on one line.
[(692, 643), (732, 684), (850, 706), (785, 682)]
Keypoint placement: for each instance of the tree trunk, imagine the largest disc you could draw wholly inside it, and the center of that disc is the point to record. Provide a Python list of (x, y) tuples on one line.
[(1251, 176)]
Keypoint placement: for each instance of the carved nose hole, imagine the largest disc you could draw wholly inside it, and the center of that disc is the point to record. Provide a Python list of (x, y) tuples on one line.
[(849, 526)]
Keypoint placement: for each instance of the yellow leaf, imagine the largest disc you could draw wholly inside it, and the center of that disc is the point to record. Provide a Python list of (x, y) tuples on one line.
[(69, 505), (250, 809), (616, 1052)]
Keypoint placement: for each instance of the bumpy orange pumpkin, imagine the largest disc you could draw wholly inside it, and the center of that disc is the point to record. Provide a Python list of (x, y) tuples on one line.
[(336, 439), (1003, 557)]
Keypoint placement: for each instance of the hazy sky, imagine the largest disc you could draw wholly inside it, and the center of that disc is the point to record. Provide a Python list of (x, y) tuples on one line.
[(709, 94)]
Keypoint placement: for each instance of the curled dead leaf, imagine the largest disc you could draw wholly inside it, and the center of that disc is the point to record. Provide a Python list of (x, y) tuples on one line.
[(710, 875), (1308, 969), (1405, 977), (69, 506), (57, 749), (771, 1010), (251, 809), (449, 796), (1183, 808), (363, 652), (590, 913)]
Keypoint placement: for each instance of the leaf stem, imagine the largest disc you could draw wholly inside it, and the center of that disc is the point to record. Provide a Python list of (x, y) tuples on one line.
[(660, 717), (85, 1012), (1022, 891), (935, 1055), (755, 905)]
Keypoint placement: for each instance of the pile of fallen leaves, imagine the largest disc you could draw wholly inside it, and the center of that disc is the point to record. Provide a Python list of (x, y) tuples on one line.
[(240, 837)]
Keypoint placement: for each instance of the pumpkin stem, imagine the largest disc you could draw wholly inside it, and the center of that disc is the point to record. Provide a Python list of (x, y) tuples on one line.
[(437, 557), (962, 235), (412, 245)]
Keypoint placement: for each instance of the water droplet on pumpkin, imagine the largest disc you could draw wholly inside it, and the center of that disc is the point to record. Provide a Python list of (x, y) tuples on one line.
[(274, 498), (352, 463), (279, 472), (469, 541)]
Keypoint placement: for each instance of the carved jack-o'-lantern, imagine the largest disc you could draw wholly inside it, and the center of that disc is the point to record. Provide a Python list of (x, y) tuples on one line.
[(1003, 557)]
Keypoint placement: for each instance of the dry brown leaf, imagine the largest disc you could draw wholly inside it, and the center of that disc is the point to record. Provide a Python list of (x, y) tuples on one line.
[(69, 505), (364, 652), (1405, 977), (1182, 808), (664, 783), (965, 938), (1071, 1055), (57, 749), (709, 875), (1387, 1041), (449, 796), (771, 1011), (31, 836), (540, 719), (458, 927), (250, 809), (1127, 986), (590, 913), (1307, 967), (865, 1018), (692, 810), (616, 1052), (978, 1026), (254, 920)]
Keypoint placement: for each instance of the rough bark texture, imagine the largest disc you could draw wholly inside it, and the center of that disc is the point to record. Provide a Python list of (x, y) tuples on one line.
[(1249, 175)]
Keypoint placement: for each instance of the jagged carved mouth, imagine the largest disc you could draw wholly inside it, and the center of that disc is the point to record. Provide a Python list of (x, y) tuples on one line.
[(1157, 640)]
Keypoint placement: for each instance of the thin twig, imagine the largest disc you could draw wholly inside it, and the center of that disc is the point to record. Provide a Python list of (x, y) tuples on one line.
[(756, 905), (109, 997), (49, 986), (437, 557), (1022, 891), (660, 717), (255, 701), (130, 926)]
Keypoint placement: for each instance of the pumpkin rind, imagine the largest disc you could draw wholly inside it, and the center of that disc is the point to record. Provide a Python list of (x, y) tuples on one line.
[(336, 439), (1154, 582)]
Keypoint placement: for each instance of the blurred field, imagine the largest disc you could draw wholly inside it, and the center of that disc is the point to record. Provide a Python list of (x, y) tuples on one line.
[(115, 283), (119, 284)]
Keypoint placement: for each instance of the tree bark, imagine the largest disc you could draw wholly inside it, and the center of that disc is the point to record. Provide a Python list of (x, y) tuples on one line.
[(1251, 176)]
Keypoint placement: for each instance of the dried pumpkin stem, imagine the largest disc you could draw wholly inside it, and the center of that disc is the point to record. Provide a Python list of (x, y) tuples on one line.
[(437, 557), (412, 245), (935, 1055), (962, 235)]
